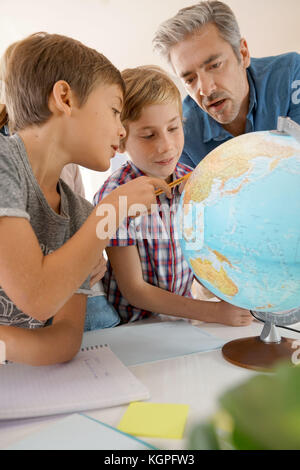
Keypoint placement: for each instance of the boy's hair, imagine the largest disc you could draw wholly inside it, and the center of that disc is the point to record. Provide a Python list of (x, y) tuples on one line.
[(146, 85), (36, 63), (3, 66), (191, 19)]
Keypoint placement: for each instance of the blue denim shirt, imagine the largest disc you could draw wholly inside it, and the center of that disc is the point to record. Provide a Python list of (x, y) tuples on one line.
[(274, 84)]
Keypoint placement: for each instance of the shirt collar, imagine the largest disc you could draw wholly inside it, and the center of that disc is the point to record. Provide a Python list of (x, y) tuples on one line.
[(135, 169), (212, 130), (252, 102)]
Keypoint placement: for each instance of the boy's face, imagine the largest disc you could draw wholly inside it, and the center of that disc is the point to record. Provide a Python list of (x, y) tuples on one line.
[(96, 128), (155, 141)]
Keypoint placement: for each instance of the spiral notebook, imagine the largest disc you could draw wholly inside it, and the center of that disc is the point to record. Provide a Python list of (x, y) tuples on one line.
[(94, 379)]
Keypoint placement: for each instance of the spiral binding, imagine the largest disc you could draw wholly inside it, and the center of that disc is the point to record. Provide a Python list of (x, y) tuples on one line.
[(92, 348)]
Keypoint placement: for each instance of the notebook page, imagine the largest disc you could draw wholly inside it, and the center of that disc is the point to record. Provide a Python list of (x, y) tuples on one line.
[(93, 379)]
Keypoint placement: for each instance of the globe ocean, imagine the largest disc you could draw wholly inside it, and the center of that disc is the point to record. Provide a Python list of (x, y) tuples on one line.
[(239, 222)]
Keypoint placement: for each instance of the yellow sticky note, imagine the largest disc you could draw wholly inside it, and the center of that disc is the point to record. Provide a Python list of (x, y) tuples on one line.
[(162, 420)]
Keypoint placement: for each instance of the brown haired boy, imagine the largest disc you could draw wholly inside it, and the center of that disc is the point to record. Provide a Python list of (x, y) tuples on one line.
[(64, 102)]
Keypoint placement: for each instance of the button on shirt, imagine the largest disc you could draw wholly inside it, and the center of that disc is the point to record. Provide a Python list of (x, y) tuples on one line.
[(155, 236), (274, 84)]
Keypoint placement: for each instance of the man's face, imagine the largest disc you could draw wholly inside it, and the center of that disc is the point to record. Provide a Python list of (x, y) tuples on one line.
[(212, 74)]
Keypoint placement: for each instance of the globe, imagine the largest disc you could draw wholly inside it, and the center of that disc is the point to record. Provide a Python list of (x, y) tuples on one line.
[(239, 222)]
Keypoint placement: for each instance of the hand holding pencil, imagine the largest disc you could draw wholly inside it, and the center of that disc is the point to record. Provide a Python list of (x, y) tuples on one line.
[(174, 183)]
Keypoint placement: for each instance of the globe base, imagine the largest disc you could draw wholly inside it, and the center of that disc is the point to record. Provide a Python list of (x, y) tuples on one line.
[(253, 353)]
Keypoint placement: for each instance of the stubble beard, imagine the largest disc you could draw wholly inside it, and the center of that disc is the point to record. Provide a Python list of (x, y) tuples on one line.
[(226, 117)]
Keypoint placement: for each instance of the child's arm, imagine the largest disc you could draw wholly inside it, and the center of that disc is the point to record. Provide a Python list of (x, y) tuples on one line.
[(98, 272), (127, 269), (40, 285), (56, 343)]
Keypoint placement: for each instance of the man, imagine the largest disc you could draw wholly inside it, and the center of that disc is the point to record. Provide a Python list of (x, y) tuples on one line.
[(229, 93)]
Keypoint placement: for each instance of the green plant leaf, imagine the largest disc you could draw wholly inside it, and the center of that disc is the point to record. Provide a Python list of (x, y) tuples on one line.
[(242, 441), (204, 437), (266, 410)]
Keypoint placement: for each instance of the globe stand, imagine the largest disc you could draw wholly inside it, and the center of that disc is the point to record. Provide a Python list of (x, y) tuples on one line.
[(260, 353)]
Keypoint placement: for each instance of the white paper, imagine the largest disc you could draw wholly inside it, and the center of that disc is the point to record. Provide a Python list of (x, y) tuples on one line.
[(93, 379)]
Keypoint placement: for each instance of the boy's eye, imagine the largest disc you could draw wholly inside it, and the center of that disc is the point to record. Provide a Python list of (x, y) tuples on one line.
[(116, 111), (173, 129), (147, 136)]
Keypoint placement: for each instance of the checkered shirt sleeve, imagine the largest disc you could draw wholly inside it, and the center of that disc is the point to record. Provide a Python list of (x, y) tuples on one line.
[(155, 236)]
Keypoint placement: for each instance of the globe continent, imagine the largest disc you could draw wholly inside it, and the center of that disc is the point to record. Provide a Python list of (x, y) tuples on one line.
[(239, 222)]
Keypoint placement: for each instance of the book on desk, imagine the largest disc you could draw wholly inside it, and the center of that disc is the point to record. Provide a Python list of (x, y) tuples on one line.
[(141, 342), (94, 379)]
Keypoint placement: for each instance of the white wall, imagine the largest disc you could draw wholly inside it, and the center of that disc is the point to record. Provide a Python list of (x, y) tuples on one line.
[(123, 30)]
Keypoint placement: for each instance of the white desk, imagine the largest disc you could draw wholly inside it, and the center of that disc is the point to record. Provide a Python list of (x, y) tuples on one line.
[(197, 380)]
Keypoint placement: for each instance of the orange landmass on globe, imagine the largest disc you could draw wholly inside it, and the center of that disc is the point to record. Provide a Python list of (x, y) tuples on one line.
[(186, 208), (222, 258), (274, 164), (233, 160), (188, 233), (219, 279), (265, 307)]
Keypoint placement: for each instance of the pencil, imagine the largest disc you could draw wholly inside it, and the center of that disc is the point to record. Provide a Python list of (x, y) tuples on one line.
[(174, 183)]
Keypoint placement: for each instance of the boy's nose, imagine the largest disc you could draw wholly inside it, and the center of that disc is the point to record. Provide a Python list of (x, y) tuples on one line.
[(122, 132), (164, 144)]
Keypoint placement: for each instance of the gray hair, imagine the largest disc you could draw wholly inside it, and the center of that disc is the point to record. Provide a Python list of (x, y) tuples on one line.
[(188, 20)]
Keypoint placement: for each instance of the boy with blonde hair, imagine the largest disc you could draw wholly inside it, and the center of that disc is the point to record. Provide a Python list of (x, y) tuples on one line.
[(63, 103), (147, 271)]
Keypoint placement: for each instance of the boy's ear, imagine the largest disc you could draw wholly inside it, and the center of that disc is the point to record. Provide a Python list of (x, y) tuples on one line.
[(62, 98)]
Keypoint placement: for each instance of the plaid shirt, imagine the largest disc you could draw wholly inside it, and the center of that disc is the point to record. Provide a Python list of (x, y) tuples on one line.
[(156, 239)]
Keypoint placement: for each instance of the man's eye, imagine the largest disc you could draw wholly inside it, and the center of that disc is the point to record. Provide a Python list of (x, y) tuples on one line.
[(189, 81), (216, 65)]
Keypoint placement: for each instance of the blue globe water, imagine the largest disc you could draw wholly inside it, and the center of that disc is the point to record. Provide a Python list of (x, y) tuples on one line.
[(239, 222)]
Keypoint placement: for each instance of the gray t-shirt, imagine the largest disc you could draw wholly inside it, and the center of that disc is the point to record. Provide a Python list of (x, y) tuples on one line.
[(21, 196)]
